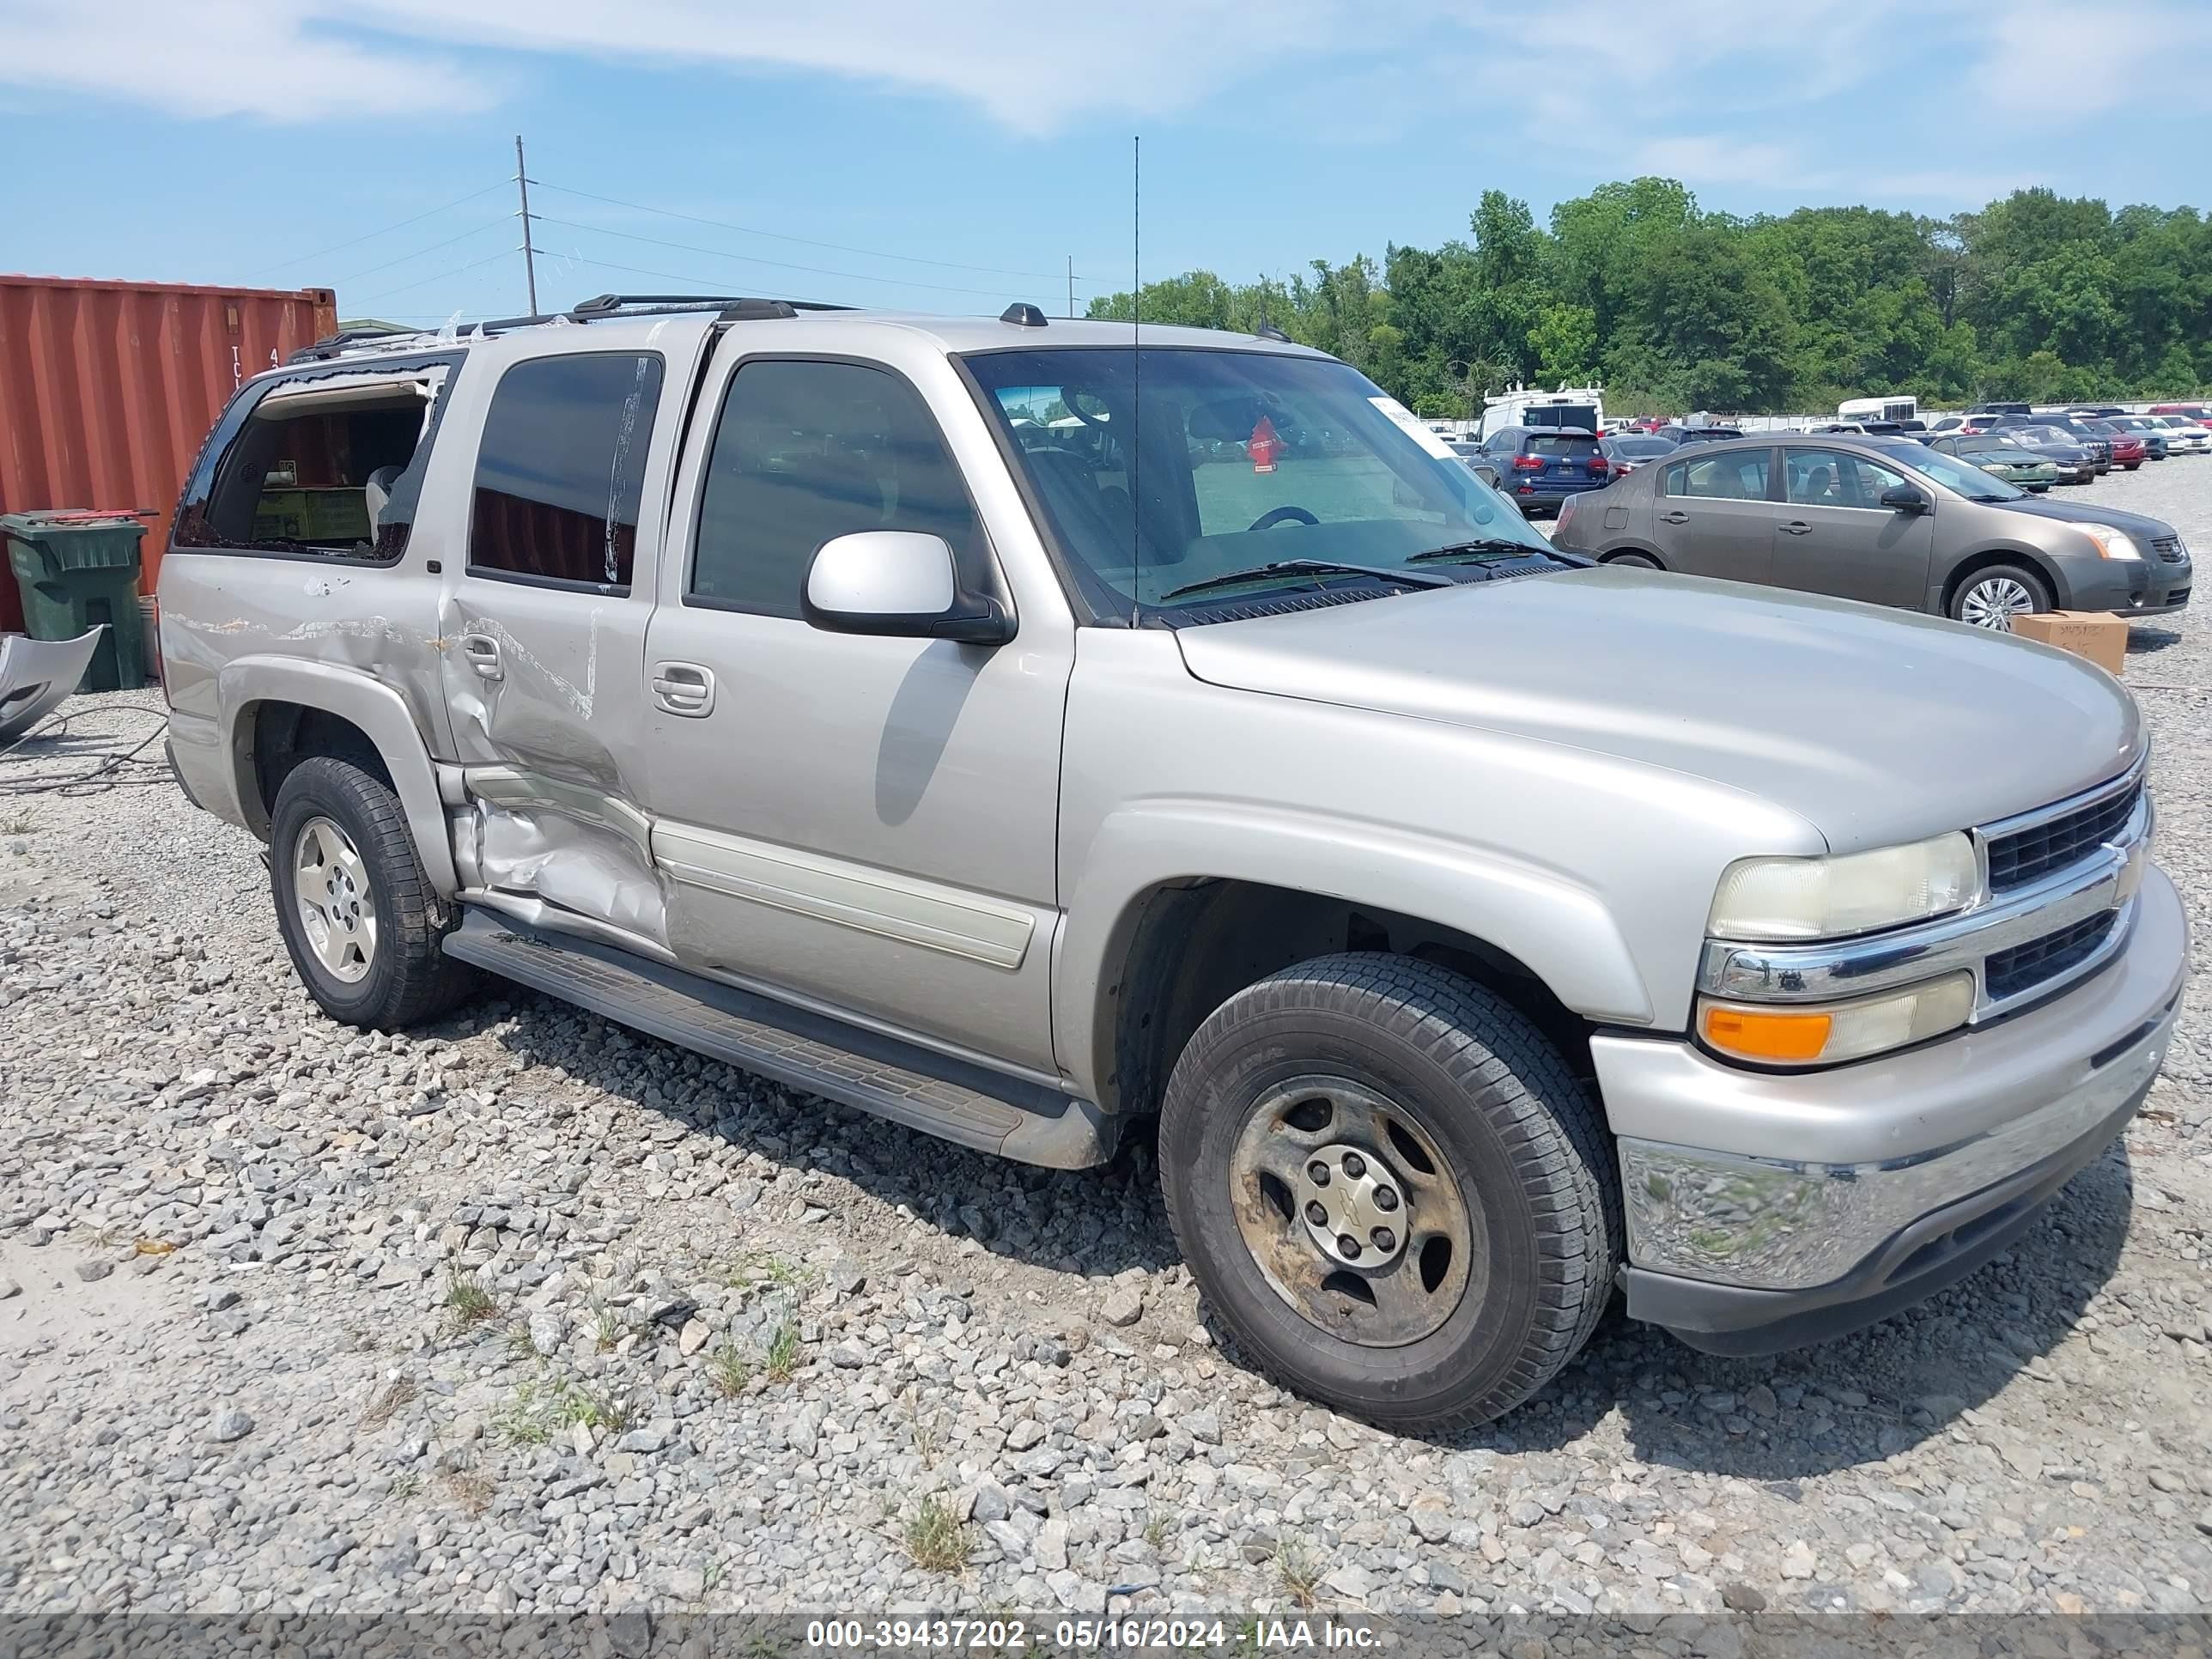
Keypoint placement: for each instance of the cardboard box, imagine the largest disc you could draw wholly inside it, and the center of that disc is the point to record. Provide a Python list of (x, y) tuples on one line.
[(2097, 635)]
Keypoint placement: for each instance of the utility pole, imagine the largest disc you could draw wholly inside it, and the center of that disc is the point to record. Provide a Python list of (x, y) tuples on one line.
[(1070, 286), (529, 255)]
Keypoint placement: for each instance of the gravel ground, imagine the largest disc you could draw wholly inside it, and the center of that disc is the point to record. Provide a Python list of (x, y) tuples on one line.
[(525, 1312)]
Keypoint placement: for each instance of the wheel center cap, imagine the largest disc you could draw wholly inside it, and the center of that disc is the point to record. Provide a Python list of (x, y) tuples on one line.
[(1354, 1206)]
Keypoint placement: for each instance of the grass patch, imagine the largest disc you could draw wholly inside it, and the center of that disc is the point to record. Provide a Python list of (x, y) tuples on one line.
[(730, 1369), (1158, 1528), (751, 1272), (541, 1408), (1300, 1572), (471, 1490), (467, 1303), (781, 1362), (21, 823), (399, 1392), (606, 1326), (936, 1540)]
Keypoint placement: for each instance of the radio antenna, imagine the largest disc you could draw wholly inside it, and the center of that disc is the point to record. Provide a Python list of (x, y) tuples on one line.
[(1136, 369)]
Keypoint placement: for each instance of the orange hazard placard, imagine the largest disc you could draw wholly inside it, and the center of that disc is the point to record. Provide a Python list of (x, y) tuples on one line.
[(1264, 445)]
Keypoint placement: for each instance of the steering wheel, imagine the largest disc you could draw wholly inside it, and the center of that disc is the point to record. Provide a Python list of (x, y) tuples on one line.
[(1276, 515)]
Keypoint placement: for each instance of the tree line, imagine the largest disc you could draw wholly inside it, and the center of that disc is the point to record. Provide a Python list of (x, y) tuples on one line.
[(1673, 308)]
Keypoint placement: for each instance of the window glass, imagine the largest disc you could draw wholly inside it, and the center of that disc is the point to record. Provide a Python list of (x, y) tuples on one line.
[(312, 471), (1830, 477), (1740, 476), (561, 469), (1565, 448), (808, 451)]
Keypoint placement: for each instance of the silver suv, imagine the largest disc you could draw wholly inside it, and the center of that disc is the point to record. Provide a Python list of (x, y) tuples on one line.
[(1012, 732)]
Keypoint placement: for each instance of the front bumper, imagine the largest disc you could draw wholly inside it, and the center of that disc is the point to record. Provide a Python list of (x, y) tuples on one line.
[(1906, 1171)]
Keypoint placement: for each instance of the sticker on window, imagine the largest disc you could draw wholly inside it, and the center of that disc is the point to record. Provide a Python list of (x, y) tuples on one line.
[(1413, 423)]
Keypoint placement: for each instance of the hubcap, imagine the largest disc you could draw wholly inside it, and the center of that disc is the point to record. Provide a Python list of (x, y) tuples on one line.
[(1352, 1214), (337, 912), (1995, 601)]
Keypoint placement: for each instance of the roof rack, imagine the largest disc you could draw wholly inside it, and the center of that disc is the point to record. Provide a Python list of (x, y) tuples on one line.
[(600, 307)]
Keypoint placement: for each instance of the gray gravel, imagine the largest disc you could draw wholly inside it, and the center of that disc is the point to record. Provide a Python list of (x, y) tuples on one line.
[(527, 1312)]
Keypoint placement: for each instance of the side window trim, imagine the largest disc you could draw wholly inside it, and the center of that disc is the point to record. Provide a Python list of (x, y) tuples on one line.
[(985, 578), (638, 446)]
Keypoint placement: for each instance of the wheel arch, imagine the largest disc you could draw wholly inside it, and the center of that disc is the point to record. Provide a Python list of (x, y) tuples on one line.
[(1640, 548), (278, 711), (1982, 558)]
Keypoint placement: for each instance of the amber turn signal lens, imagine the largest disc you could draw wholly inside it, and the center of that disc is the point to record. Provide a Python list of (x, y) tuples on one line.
[(1777, 1035)]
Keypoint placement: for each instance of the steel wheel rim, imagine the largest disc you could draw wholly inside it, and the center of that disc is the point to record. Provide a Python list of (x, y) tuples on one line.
[(336, 906), (1388, 1191), (1994, 603)]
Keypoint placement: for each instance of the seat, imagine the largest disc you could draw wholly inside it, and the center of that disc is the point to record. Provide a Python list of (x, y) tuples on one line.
[(376, 490)]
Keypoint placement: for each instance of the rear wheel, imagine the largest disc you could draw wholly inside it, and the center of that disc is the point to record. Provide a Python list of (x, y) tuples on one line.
[(1391, 1189), (1634, 561), (362, 924), (1994, 596)]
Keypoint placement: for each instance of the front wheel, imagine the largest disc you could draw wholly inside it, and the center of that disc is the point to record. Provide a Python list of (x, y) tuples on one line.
[(1391, 1189), (1994, 598), (2133, 466)]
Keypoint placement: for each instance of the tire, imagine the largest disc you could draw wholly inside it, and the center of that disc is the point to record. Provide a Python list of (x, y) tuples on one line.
[(1991, 597), (2133, 466), (379, 964), (1633, 561), (1358, 1049)]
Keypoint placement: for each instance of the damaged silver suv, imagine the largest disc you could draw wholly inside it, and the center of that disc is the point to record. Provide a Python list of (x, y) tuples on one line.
[(1013, 729)]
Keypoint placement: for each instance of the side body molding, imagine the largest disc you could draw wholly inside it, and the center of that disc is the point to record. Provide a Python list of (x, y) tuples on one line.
[(374, 707)]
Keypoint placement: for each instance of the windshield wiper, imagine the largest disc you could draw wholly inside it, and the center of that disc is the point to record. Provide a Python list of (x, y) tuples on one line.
[(1482, 544), (1307, 568)]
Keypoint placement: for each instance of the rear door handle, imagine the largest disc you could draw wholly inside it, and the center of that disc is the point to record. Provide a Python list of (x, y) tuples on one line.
[(482, 652), (1673, 517), (1795, 527), (684, 688)]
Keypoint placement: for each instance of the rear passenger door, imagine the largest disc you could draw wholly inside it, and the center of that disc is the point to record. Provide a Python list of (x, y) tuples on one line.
[(1835, 537), (544, 617), (1713, 518), (861, 824)]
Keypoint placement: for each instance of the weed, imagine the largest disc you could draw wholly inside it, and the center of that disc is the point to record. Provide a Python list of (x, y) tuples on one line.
[(407, 1486), (518, 1345), (21, 824), (606, 1326), (730, 1369), (467, 1303), (750, 1272), (1299, 1571), (936, 1538), (781, 1363), (1158, 1528), (472, 1491), (928, 1438), (398, 1392)]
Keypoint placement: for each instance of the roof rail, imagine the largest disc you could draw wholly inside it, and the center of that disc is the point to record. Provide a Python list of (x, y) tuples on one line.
[(607, 305)]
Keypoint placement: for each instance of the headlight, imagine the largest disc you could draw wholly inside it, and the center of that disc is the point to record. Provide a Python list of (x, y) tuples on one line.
[(2112, 543), (1824, 1034), (1825, 898)]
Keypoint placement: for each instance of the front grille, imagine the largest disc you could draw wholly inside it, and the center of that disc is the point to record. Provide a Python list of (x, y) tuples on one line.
[(2169, 548), (2023, 967), (2027, 855)]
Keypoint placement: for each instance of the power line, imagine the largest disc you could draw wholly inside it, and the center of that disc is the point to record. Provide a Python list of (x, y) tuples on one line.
[(339, 247), (706, 284), (753, 259), (439, 276), (488, 224), (804, 241)]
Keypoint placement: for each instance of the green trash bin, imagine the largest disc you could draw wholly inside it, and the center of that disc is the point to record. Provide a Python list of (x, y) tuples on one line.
[(77, 569)]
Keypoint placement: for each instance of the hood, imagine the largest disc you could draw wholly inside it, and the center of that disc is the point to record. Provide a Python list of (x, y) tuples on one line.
[(2139, 525), (1875, 726)]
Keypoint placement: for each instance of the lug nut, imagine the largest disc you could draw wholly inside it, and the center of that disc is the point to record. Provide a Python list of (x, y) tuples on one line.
[(1385, 1200), (1347, 1247), (1318, 1172), (1354, 1165), (1317, 1215), (1385, 1240)]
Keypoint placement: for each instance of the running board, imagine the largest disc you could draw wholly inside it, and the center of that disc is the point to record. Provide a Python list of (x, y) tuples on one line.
[(950, 1098)]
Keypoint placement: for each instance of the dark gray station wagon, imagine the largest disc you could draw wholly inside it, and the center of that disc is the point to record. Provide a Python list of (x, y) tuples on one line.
[(1889, 522)]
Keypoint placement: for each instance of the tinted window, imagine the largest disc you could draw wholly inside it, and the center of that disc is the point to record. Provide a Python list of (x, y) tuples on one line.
[(807, 452), (1829, 478), (1740, 476), (1569, 449), (1582, 415), (562, 468)]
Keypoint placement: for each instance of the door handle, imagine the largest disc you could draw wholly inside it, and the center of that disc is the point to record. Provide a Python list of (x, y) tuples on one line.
[(482, 652), (1795, 527), (684, 688), (1673, 517)]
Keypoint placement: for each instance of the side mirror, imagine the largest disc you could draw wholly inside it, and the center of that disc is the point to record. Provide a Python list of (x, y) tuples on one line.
[(901, 583), (1903, 498)]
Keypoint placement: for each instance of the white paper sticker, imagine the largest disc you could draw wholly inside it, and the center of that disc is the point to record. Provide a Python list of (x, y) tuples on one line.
[(1413, 423)]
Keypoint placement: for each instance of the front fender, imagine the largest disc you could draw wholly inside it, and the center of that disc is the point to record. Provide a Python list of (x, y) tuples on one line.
[(380, 713), (1560, 930)]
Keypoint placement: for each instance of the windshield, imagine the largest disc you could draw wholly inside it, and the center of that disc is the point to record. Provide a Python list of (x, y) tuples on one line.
[(1640, 449), (1244, 459), (1953, 473)]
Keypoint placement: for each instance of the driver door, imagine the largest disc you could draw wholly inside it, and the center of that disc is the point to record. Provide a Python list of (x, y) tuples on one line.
[(1835, 536)]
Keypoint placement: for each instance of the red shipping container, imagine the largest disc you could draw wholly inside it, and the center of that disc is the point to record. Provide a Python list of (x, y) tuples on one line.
[(107, 389)]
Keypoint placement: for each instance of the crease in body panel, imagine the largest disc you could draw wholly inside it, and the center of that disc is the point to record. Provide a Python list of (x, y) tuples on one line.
[(581, 698)]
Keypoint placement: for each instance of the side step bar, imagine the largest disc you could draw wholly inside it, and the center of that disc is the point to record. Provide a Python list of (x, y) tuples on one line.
[(909, 1084)]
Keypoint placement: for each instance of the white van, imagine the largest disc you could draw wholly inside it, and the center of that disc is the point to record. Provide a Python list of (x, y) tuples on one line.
[(1570, 406), (1878, 409)]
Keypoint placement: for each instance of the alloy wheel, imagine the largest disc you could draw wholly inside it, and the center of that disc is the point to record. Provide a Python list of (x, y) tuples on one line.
[(337, 910), (1994, 602)]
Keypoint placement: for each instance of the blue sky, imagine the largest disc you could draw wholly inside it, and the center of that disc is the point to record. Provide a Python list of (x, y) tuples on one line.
[(282, 142)]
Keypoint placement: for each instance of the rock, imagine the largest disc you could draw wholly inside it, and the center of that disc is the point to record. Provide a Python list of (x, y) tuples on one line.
[(8, 1288), (1024, 1434), (804, 1431), (1430, 1513), (695, 1335), (653, 1438), (1124, 1305), (848, 1356), (1051, 1546), (547, 1331), (93, 1272), (1204, 1427), (1525, 1512), (1352, 1581), (1797, 1560), (230, 1423)]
